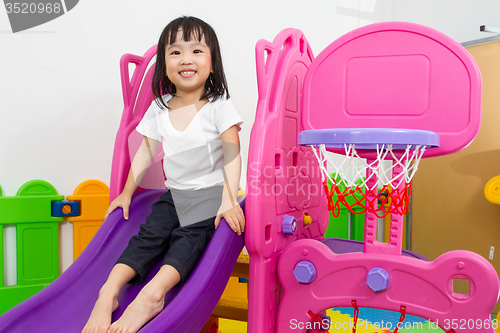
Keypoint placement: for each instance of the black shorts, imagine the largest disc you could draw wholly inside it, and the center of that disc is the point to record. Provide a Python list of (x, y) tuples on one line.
[(162, 235)]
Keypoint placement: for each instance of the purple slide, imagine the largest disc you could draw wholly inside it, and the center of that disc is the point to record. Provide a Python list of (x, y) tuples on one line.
[(65, 305)]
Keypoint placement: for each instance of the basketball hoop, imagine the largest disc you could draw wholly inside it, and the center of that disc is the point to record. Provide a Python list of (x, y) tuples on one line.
[(381, 188)]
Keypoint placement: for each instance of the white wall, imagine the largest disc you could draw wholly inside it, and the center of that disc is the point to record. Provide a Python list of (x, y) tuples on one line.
[(60, 93)]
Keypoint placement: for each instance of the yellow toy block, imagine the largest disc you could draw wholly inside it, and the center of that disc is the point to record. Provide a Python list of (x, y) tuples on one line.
[(497, 330), (492, 190)]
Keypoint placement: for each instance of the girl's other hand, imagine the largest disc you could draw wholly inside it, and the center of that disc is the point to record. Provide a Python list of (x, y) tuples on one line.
[(234, 217), (122, 201)]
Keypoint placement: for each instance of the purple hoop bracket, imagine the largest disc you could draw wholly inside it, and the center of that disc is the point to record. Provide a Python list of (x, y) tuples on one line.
[(369, 138)]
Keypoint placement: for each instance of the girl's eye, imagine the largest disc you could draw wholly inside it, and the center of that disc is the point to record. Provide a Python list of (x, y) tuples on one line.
[(176, 52), (197, 51)]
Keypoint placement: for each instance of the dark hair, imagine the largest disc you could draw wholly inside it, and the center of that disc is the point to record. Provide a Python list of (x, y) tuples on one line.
[(192, 27)]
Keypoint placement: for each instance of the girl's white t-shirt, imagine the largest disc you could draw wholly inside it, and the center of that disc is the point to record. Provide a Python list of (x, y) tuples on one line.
[(194, 157)]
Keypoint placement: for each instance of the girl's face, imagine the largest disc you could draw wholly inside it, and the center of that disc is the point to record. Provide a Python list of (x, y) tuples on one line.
[(188, 65)]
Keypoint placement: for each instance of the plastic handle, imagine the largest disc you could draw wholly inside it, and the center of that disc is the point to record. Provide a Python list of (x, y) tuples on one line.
[(127, 83), (130, 87), (262, 48)]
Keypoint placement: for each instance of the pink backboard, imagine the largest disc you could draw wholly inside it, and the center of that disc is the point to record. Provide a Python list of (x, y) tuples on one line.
[(396, 75)]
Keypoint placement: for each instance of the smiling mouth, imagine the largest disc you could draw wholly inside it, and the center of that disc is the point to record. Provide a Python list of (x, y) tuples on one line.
[(187, 73)]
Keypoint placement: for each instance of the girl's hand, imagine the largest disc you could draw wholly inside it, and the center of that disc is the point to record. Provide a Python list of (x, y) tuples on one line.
[(122, 201), (234, 217)]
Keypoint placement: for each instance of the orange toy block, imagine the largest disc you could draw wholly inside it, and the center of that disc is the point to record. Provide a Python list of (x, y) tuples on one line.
[(93, 196)]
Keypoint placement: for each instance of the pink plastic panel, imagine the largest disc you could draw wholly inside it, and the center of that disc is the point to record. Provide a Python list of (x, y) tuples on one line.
[(282, 178), (424, 288), (396, 75), (137, 96)]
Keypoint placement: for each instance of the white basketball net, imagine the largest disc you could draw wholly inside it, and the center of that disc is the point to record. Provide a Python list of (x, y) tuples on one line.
[(353, 164)]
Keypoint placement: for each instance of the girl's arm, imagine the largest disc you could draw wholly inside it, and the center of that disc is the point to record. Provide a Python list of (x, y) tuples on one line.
[(140, 164), (230, 209)]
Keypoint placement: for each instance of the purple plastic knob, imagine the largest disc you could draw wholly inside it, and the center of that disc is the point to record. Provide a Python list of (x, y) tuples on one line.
[(378, 279), (304, 272), (289, 225)]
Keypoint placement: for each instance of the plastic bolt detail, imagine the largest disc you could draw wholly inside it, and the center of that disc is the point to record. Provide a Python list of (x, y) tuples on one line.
[(378, 279), (304, 272), (289, 225), (307, 220), (64, 208)]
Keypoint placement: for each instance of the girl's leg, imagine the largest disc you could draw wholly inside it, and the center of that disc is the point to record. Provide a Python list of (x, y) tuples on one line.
[(100, 318), (185, 248), (148, 303), (143, 249), (151, 243)]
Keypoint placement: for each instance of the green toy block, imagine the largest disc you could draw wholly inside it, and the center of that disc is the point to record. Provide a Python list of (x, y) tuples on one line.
[(2, 283), (37, 253), (338, 227), (31, 204), (37, 237), (358, 225), (12, 296)]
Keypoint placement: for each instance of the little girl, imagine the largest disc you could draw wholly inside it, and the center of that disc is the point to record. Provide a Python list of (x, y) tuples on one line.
[(198, 126)]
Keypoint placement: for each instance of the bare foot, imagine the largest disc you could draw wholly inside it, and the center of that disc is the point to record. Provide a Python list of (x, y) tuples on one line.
[(100, 318), (145, 307)]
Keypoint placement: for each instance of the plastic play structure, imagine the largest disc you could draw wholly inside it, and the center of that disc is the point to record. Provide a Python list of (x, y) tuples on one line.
[(387, 75), (35, 213)]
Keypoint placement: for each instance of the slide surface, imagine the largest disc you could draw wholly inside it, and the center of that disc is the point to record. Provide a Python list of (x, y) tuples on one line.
[(65, 305)]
